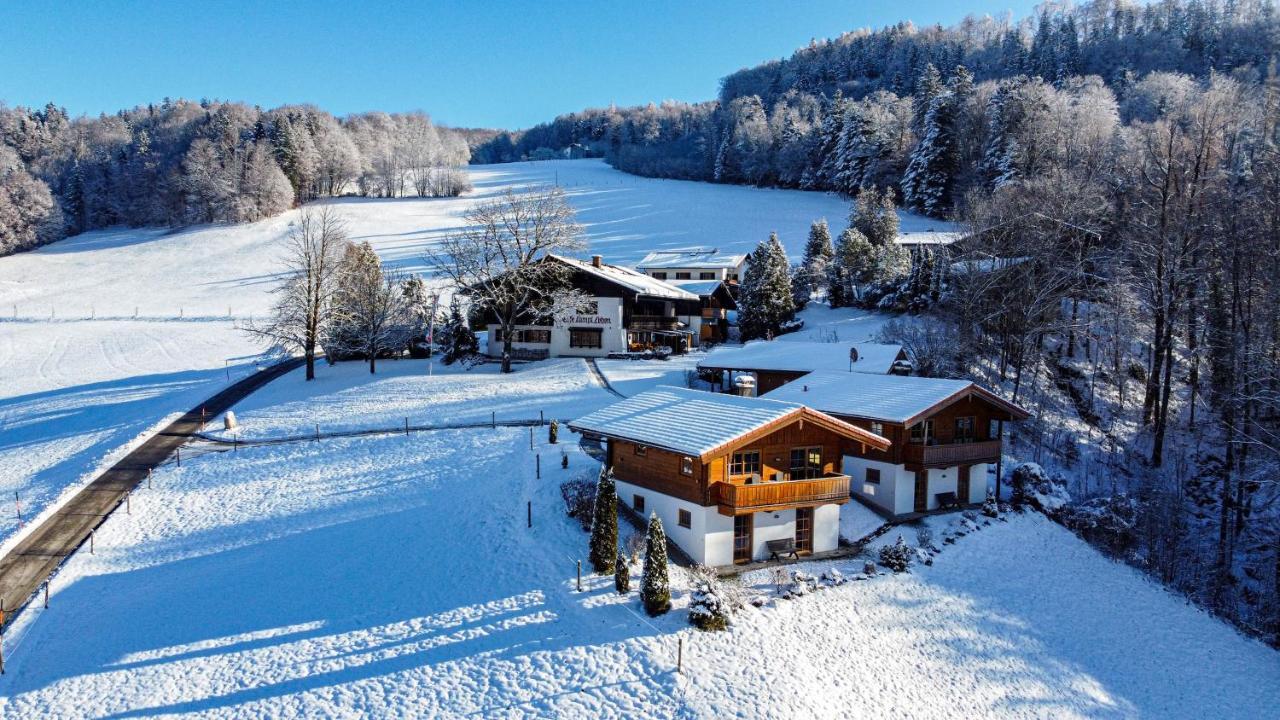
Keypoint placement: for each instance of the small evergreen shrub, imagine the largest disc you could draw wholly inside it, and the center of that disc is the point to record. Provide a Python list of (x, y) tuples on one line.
[(621, 574), (896, 557), (709, 608)]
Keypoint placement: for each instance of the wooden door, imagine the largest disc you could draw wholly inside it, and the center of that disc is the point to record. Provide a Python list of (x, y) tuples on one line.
[(922, 490), (804, 529), (742, 538), (962, 485)]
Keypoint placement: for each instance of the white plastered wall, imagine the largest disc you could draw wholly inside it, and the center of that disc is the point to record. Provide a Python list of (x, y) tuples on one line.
[(709, 537)]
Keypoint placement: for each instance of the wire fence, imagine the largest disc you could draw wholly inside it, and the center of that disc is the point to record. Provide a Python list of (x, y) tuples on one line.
[(35, 312), (207, 443)]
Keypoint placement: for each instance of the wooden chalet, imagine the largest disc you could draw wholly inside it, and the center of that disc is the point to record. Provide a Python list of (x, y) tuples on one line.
[(772, 364), (728, 475), (944, 434)]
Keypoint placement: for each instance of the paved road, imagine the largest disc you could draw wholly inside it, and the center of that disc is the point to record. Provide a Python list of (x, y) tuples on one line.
[(600, 378), (24, 569)]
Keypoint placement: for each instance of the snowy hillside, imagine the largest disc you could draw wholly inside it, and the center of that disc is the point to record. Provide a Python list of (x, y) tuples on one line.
[(104, 335), (341, 578)]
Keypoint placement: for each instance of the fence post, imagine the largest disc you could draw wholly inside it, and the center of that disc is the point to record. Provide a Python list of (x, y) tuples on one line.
[(179, 457), (317, 432), (46, 591), (148, 478), (541, 420), (493, 420), (538, 459), (530, 437), (92, 535), (18, 505), (406, 426), (579, 581), (530, 513), (680, 656)]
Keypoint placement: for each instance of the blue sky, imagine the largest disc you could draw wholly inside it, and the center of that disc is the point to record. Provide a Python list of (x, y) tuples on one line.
[(486, 64)]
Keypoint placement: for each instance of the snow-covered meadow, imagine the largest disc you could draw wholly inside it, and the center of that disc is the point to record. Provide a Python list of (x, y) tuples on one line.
[(395, 576), (106, 335)]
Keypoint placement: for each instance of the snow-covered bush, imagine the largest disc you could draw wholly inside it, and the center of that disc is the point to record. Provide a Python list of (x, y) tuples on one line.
[(1106, 522), (579, 499), (832, 577), (897, 557), (621, 573), (990, 507), (553, 432), (710, 604), (802, 583), (1031, 485)]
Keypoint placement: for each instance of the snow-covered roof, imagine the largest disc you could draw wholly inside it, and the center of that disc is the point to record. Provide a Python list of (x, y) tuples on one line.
[(927, 237), (888, 398), (785, 356), (697, 287), (694, 422), (635, 281), (699, 257)]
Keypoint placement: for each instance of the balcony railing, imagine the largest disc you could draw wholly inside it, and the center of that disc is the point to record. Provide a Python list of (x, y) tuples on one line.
[(745, 499), (952, 453), (654, 322)]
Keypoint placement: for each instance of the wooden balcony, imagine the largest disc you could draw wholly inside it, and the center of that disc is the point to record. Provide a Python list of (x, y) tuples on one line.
[(714, 313), (653, 322), (759, 497), (949, 454)]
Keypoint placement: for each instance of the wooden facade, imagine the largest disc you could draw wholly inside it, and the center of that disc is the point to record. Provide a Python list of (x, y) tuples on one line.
[(795, 462), (963, 430)]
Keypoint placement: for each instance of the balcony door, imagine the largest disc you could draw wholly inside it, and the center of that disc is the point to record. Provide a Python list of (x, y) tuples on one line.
[(804, 529), (742, 538), (962, 484), (806, 463), (922, 490)]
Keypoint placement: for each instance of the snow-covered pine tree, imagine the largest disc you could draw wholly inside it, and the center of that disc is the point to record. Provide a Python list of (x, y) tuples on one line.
[(604, 525), (456, 340), (655, 587), (418, 304), (928, 87), (812, 271), (854, 265), (930, 176), (369, 312), (621, 573), (875, 215), (826, 153), (765, 300)]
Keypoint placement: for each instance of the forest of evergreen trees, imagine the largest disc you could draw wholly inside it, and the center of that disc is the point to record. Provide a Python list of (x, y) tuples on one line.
[(930, 112), (184, 162)]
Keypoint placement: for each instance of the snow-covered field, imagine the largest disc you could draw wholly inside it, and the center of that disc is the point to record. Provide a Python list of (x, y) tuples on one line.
[(105, 335), (394, 576)]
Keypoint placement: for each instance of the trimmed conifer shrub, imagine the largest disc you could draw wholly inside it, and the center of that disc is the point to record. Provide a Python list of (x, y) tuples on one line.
[(604, 525), (621, 573), (655, 587)]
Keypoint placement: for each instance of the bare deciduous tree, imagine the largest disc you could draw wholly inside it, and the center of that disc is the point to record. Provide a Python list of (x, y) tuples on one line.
[(498, 260), (304, 304)]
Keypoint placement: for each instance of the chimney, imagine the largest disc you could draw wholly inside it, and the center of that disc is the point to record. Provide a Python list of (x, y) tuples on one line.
[(744, 385), (597, 260)]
